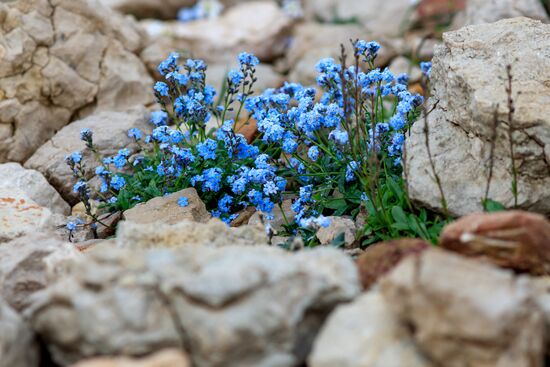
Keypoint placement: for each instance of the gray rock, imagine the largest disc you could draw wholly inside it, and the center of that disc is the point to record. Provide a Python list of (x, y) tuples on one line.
[(365, 333), (20, 215), (165, 209), (465, 312), (109, 135), (489, 11), (62, 58), (230, 306), (167, 9), (31, 263), (460, 126), (214, 233), (17, 345), (337, 227), (33, 184), (220, 40)]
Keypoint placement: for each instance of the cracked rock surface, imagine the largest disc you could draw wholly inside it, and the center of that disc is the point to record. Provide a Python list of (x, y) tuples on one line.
[(468, 82), (60, 59), (231, 306)]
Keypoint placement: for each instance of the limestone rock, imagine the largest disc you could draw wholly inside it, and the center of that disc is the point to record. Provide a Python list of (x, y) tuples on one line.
[(489, 11), (513, 239), (17, 344), (466, 313), (62, 58), (20, 215), (165, 209), (167, 9), (215, 233), (230, 306), (365, 333), (461, 125), (164, 358), (220, 40), (337, 227), (31, 263), (381, 258), (109, 135), (33, 184)]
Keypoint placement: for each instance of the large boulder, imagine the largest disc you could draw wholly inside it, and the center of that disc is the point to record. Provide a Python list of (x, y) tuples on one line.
[(230, 306), (167, 9), (17, 345), (460, 127), (20, 215), (467, 313), (33, 183), (59, 58), (109, 135), (164, 358), (221, 39), (30, 263)]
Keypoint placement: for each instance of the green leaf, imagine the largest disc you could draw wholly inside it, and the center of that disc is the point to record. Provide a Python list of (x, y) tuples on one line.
[(492, 206), (399, 215), (336, 204)]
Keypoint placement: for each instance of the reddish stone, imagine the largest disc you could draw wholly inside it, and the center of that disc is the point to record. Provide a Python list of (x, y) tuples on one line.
[(248, 128), (514, 239), (380, 258), (433, 8)]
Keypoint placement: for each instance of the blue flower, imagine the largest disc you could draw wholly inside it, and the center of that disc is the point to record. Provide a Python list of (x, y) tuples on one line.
[(183, 202), (290, 145), (71, 226), (235, 77), (224, 204), (207, 149), (80, 186), (211, 179), (117, 182), (248, 60), (169, 64), (351, 168), (313, 153), (426, 68), (270, 188), (75, 157), (397, 122), (239, 185), (162, 89), (159, 118), (86, 135), (135, 133), (339, 136)]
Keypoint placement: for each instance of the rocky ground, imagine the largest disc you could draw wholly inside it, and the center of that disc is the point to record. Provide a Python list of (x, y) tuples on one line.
[(175, 287)]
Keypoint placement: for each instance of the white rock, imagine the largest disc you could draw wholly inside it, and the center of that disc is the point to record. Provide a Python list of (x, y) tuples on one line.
[(20, 215), (337, 227), (489, 11), (365, 333), (460, 126), (60, 58), (230, 306), (13, 175), (109, 135), (17, 345)]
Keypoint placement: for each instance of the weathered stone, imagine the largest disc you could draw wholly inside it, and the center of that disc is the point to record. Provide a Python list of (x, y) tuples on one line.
[(377, 260), (109, 135), (167, 9), (489, 11), (337, 227), (165, 209), (13, 175), (231, 306), (17, 344), (20, 215), (365, 333), (466, 313), (512, 239), (165, 358), (461, 124), (61, 58), (29, 264), (187, 233), (219, 40), (279, 219)]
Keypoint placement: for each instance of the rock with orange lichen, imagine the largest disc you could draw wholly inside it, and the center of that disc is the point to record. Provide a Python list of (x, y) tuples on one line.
[(20, 215)]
